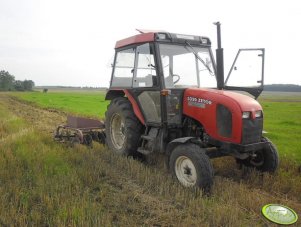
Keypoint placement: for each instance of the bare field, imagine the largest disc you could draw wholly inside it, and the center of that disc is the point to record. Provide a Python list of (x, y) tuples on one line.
[(46, 183)]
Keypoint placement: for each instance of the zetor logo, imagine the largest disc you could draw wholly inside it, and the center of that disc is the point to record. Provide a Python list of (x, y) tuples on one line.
[(199, 100)]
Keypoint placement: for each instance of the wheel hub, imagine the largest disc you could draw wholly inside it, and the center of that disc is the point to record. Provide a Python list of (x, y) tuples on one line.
[(258, 159), (187, 170)]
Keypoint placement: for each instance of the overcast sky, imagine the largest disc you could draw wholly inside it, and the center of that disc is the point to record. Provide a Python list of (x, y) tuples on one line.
[(71, 42)]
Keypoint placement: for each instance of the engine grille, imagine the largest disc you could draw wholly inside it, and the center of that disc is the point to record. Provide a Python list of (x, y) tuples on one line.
[(252, 130), (224, 121)]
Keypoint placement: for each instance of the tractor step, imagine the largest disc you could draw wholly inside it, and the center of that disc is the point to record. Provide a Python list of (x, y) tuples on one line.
[(148, 138), (148, 141), (143, 151), (145, 139)]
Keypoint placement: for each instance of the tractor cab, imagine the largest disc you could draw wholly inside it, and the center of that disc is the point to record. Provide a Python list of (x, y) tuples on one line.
[(168, 95), (151, 64)]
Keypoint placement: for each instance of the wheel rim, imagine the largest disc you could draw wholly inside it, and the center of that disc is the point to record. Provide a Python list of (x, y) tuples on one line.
[(185, 171), (117, 131), (258, 160)]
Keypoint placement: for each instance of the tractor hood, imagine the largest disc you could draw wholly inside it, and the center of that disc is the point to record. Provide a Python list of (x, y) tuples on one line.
[(230, 99), (220, 112)]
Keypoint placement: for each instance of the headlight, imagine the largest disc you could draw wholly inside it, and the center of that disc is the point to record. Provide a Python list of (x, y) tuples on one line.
[(246, 115), (258, 113)]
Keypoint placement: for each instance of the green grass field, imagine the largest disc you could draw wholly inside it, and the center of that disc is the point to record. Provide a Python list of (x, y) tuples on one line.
[(283, 124), (282, 113), (282, 121), (82, 103)]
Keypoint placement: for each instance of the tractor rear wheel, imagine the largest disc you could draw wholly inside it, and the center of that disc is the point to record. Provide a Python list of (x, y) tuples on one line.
[(191, 166), (123, 129), (266, 160)]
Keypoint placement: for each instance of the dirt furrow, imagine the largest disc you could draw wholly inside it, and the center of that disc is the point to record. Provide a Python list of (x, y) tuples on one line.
[(42, 119)]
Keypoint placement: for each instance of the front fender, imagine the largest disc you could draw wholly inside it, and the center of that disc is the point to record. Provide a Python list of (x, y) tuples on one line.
[(172, 144)]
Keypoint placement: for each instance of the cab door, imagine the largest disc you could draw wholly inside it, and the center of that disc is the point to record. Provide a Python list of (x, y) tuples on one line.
[(135, 71), (247, 72), (146, 87)]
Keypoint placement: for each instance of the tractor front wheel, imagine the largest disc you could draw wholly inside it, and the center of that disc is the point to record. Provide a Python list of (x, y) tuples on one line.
[(191, 166), (123, 129), (266, 160)]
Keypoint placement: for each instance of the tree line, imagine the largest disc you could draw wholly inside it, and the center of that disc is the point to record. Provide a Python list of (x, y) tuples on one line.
[(283, 87), (8, 83)]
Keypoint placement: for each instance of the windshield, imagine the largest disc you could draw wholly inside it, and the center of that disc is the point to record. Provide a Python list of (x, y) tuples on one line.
[(187, 66)]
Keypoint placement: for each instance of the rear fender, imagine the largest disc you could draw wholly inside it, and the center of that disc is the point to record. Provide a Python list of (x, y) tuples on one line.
[(111, 94)]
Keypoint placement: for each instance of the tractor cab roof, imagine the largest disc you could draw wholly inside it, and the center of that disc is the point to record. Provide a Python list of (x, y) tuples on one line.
[(163, 37)]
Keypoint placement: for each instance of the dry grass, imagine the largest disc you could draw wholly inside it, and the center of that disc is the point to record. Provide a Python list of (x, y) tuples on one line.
[(43, 183)]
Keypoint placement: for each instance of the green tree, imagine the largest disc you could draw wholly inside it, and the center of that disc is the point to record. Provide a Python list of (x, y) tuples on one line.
[(19, 85), (6, 81), (28, 85)]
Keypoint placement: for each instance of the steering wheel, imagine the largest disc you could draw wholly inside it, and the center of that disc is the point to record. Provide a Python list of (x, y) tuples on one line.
[(177, 78)]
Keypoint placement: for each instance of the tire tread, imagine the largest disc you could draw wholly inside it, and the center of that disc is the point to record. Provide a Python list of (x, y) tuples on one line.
[(133, 126)]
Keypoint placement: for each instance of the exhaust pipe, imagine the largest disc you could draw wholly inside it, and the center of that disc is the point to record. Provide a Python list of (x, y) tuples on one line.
[(219, 58)]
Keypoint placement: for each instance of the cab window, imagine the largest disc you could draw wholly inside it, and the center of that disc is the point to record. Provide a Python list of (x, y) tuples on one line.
[(145, 72), (135, 67), (124, 67)]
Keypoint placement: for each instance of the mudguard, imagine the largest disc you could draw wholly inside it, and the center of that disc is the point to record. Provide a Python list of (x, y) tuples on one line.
[(111, 94), (171, 145)]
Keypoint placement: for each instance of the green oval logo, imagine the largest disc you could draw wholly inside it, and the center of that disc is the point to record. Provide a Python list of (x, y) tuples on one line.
[(279, 214)]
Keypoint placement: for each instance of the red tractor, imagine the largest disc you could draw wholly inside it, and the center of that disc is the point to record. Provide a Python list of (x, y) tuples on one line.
[(168, 95)]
